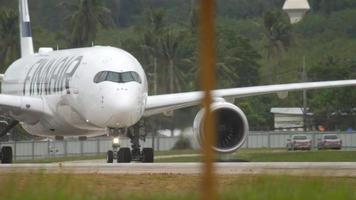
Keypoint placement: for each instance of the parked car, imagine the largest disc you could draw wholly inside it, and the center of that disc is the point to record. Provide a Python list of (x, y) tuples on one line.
[(301, 142), (329, 141)]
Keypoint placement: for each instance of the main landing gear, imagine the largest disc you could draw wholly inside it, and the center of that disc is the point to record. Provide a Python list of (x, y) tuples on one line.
[(6, 155), (6, 151), (125, 155)]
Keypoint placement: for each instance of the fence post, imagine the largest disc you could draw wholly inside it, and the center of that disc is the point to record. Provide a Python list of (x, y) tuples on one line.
[(247, 140), (314, 139), (65, 148), (97, 146), (81, 147), (33, 149), (269, 139), (153, 139), (15, 157), (158, 143), (48, 148)]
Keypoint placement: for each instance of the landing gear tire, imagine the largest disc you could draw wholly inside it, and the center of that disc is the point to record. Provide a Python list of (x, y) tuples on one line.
[(6, 155), (110, 157), (124, 155), (147, 155)]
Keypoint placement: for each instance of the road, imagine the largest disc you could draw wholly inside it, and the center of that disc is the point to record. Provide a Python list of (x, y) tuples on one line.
[(336, 169)]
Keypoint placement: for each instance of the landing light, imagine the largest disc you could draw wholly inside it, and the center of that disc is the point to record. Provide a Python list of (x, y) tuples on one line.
[(115, 141)]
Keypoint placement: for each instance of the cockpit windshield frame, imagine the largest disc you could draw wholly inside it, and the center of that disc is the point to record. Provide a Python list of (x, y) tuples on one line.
[(117, 77)]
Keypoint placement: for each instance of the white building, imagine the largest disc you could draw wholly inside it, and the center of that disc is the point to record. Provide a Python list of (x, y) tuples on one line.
[(290, 119)]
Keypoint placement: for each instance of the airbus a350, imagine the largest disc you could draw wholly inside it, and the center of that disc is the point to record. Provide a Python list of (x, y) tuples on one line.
[(86, 91)]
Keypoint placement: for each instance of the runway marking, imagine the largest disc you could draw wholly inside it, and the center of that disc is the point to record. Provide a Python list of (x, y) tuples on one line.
[(339, 169)]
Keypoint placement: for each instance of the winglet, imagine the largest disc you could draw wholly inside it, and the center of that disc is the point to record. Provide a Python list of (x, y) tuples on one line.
[(25, 29)]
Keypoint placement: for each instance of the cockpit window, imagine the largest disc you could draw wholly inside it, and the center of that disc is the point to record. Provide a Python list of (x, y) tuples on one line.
[(127, 77), (118, 77), (113, 77)]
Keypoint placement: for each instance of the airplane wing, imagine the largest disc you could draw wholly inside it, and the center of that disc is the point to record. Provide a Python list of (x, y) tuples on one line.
[(11, 103), (17, 104), (22, 106), (169, 102)]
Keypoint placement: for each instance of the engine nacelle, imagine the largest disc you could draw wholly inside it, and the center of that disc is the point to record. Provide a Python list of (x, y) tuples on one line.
[(231, 125)]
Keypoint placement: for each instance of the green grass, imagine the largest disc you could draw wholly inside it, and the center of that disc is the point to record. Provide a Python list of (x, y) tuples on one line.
[(161, 187), (251, 155), (61, 159), (296, 156), (278, 155)]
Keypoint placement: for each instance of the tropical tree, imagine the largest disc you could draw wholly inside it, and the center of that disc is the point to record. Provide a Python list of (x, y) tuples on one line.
[(170, 42), (152, 33), (328, 6), (9, 34), (278, 33), (162, 45), (279, 37), (334, 108), (237, 59), (86, 18)]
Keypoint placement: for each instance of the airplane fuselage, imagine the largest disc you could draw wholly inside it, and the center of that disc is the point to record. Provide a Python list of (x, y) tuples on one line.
[(84, 90)]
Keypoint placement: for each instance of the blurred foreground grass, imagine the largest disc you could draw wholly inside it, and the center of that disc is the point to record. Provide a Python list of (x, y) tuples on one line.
[(159, 187)]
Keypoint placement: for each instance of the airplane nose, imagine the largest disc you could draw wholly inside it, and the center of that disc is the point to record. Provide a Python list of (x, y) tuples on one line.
[(124, 110), (124, 103)]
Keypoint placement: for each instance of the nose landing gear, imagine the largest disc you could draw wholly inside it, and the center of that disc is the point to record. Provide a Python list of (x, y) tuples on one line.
[(124, 155)]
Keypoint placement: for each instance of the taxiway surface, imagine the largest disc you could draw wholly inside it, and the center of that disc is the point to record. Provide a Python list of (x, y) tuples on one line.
[(338, 169)]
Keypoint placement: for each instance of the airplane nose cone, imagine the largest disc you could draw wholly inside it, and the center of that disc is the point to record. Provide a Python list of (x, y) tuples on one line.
[(124, 110), (124, 103)]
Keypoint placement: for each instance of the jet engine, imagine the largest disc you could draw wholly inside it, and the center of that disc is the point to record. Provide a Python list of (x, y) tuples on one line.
[(231, 127)]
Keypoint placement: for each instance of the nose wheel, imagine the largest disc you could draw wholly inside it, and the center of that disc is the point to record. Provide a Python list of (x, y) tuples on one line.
[(110, 156)]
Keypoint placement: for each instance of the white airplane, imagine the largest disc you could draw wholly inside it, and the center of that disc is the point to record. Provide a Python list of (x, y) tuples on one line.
[(86, 91)]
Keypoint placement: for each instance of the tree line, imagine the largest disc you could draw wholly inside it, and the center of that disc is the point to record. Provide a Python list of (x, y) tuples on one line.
[(256, 45)]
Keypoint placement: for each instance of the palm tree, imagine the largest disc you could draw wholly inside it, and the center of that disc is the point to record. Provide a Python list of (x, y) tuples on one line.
[(278, 33), (9, 43), (150, 40), (87, 16), (161, 43), (170, 41), (279, 37)]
